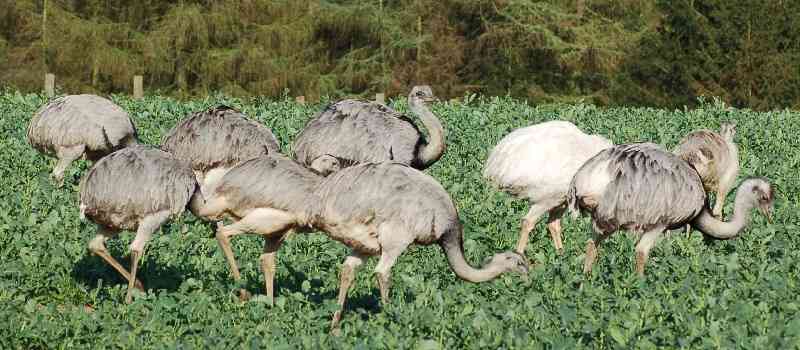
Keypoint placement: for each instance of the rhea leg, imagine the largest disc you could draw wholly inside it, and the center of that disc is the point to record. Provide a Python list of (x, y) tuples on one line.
[(147, 227), (271, 245), (554, 227), (392, 246), (224, 234), (646, 242), (265, 221), (66, 155), (383, 272), (591, 249), (351, 263), (97, 246), (528, 223)]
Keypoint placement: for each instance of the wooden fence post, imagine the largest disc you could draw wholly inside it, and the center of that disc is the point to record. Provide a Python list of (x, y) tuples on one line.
[(300, 99), (380, 98), (138, 88), (50, 84)]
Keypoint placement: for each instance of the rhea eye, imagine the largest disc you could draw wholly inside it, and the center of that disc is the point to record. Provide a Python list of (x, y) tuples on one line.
[(420, 93)]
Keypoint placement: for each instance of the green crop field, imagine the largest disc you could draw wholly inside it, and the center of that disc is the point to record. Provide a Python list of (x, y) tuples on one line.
[(741, 293)]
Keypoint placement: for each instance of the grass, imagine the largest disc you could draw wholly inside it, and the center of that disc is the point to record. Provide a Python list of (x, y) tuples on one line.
[(697, 294)]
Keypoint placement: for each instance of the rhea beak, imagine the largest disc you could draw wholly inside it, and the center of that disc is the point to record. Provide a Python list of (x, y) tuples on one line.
[(525, 277), (766, 210), (432, 99), (526, 269)]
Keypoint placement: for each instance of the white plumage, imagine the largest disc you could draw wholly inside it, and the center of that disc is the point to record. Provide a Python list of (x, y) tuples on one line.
[(537, 163)]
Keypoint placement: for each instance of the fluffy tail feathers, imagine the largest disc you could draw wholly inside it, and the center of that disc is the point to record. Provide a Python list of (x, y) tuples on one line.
[(572, 201)]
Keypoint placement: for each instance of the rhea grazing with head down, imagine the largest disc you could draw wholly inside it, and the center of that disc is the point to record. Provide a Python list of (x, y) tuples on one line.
[(350, 132), (375, 209), (73, 126), (646, 190), (138, 188), (537, 163), (215, 140)]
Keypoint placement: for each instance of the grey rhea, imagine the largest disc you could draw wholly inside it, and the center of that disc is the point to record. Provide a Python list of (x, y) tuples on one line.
[(716, 159), (137, 188), (643, 189), (79, 125), (350, 131), (373, 208), (215, 140)]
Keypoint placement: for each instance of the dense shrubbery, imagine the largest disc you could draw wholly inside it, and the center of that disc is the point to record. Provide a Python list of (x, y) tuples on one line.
[(663, 53), (729, 294)]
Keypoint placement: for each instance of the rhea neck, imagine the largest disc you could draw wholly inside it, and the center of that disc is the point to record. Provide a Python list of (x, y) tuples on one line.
[(433, 150), (743, 206)]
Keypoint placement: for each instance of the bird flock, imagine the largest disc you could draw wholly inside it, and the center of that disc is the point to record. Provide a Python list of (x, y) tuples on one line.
[(356, 175)]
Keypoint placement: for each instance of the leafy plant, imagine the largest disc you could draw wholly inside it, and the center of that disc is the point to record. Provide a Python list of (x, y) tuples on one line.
[(732, 294)]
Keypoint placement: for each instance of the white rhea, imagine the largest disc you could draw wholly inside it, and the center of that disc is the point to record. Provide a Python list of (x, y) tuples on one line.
[(537, 163)]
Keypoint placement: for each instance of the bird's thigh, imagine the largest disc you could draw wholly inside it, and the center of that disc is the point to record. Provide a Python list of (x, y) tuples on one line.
[(266, 221), (392, 236)]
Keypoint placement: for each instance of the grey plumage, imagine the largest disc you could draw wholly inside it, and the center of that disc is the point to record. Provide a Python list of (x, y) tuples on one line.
[(387, 193), (218, 137), (350, 132), (418, 203), (137, 188), (646, 190), (716, 159), (132, 183), (373, 208), (272, 181), (73, 126), (359, 131), (215, 140)]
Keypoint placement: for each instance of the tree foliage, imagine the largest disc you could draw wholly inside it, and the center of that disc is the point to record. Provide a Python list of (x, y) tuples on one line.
[(663, 53)]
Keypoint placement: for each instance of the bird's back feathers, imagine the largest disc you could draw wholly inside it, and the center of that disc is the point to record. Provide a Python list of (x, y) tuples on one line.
[(270, 181), (129, 184), (218, 137), (358, 132), (709, 154), (388, 193), (89, 120), (637, 187), (537, 162)]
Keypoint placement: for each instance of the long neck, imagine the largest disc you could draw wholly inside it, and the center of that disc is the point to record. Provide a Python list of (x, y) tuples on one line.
[(734, 151), (452, 246), (435, 146), (708, 224), (308, 208)]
